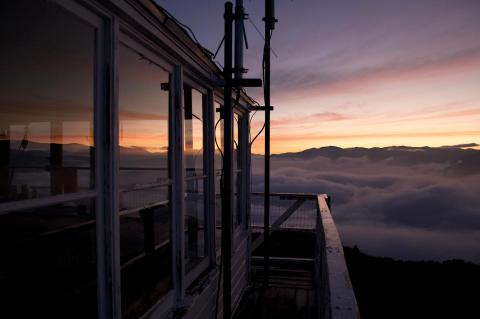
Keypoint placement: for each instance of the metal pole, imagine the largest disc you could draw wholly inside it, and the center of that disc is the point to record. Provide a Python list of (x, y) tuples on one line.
[(239, 13), (227, 165), (269, 25)]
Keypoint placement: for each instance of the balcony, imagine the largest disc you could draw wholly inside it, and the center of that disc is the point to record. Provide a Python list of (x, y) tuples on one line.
[(308, 276)]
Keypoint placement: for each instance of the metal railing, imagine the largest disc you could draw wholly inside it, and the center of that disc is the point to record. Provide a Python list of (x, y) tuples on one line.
[(296, 211), (311, 212)]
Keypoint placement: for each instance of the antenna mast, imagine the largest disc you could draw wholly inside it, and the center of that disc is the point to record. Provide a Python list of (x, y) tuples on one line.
[(238, 83), (239, 34), (269, 20)]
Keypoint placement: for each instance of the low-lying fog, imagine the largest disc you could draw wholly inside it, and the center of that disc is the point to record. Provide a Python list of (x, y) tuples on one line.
[(402, 202)]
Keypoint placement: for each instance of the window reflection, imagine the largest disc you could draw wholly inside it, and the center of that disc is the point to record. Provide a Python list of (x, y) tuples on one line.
[(144, 182), (194, 177), (46, 101), (218, 174), (48, 258), (237, 169)]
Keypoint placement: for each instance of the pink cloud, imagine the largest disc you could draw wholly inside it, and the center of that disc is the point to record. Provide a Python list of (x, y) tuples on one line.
[(315, 117)]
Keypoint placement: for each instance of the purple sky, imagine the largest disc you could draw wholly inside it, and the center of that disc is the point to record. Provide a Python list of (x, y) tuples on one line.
[(361, 73)]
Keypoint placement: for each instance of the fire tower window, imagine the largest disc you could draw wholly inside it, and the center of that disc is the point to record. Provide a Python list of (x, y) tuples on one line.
[(195, 178), (47, 152), (239, 149), (144, 182), (218, 165)]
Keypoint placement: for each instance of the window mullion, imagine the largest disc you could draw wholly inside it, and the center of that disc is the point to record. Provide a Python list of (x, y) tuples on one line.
[(177, 171), (209, 156)]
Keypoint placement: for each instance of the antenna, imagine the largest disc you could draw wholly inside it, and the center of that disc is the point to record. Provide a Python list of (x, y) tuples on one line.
[(269, 26), (239, 38), (227, 191), (227, 165)]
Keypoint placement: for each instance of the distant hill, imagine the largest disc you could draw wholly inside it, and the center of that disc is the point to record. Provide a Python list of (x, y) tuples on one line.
[(461, 161), (388, 288)]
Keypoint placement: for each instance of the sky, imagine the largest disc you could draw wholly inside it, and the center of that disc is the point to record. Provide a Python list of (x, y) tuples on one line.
[(360, 72)]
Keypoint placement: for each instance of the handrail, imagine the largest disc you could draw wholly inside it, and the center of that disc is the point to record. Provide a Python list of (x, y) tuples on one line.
[(336, 296), (288, 195)]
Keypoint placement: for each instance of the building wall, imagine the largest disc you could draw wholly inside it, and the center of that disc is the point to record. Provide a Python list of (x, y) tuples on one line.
[(203, 301), (116, 238)]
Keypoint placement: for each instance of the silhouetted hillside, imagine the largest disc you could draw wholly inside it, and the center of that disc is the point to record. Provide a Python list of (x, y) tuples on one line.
[(388, 288), (462, 161)]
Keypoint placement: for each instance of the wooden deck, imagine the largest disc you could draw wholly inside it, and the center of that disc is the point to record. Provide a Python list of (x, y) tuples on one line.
[(308, 277), (280, 302), (291, 290)]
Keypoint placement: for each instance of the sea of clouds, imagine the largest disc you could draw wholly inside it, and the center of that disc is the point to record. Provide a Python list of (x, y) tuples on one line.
[(405, 203)]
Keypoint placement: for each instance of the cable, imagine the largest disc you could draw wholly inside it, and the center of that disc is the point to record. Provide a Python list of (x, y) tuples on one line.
[(170, 16), (188, 31), (219, 46), (258, 134), (244, 34), (216, 143), (219, 282), (222, 189), (261, 35)]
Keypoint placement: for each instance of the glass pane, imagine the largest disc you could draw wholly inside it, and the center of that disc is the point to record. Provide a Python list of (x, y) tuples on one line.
[(194, 223), (144, 182), (195, 199), (237, 167), (218, 175), (236, 161), (48, 264), (193, 102), (46, 101), (145, 259)]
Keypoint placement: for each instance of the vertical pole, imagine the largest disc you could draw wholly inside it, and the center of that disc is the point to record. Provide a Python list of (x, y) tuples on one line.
[(227, 165), (239, 12), (269, 25)]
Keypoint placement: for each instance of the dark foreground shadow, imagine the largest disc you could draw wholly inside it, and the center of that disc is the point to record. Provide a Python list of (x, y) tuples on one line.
[(388, 288)]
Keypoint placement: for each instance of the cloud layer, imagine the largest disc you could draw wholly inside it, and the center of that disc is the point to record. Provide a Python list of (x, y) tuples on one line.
[(409, 203)]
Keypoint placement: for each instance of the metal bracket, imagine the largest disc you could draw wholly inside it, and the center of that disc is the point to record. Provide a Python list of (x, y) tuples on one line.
[(247, 82), (243, 82), (165, 86), (260, 108), (241, 70)]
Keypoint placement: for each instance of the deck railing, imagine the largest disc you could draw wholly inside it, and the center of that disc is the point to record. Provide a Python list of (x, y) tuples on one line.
[(311, 212)]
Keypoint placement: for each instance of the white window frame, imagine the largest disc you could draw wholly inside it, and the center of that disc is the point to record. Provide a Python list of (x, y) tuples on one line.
[(134, 41), (209, 189)]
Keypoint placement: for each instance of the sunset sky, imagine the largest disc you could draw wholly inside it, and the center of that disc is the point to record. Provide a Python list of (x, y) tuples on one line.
[(360, 73)]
